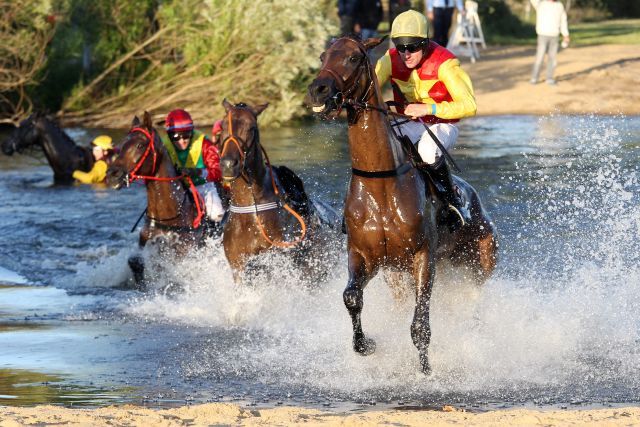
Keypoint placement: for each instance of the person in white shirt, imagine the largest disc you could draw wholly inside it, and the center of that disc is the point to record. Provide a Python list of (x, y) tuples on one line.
[(440, 12), (551, 21)]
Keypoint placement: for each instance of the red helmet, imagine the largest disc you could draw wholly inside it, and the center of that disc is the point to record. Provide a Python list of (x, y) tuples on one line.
[(178, 121)]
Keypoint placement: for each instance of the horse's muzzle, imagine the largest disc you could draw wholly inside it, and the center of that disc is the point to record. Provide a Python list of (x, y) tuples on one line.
[(9, 147), (116, 178), (230, 169), (322, 95)]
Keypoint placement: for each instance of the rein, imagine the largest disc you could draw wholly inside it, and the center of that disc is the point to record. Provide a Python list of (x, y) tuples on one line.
[(133, 176), (255, 208)]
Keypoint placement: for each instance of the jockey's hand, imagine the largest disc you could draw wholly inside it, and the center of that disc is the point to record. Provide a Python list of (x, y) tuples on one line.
[(192, 172), (418, 110)]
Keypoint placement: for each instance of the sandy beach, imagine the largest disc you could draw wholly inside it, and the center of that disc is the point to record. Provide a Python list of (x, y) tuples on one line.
[(597, 79), (227, 414)]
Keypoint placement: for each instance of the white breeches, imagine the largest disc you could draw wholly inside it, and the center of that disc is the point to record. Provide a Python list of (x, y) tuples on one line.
[(447, 134), (212, 202)]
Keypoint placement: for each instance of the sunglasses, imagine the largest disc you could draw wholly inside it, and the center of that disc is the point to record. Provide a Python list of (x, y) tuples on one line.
[(175, 137), (411, 48)]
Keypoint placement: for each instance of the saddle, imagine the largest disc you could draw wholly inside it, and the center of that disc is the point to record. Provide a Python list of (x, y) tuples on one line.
[(294, 194)]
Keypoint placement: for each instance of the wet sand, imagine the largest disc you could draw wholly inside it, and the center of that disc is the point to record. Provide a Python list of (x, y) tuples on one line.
[(227, 414)]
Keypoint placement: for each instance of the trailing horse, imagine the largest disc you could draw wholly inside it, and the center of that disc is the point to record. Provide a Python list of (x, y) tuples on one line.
[(63, 155), (174, 212), (269, 207), (391, 210)]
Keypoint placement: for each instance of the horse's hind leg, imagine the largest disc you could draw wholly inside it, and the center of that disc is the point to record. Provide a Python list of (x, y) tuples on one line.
[(353, 300), (487, 250), (423, 273), (136, 264)]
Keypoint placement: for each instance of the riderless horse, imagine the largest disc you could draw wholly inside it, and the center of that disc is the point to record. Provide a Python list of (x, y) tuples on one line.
[(61, 152), (175, 210), (269, 207), (391, 209)]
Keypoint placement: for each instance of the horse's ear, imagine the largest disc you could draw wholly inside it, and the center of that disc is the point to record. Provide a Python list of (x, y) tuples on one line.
[(135, 122), (373, 42), (147, 121), (260, 108), (227, 105)]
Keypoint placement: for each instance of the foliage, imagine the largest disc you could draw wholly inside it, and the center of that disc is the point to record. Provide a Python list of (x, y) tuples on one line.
[(498, 19), (26, 27), (204, 50)]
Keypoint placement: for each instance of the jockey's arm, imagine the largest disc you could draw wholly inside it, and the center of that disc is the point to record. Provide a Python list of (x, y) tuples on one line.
[(460, 88), (383, 69), (211, 159), (96, 175)]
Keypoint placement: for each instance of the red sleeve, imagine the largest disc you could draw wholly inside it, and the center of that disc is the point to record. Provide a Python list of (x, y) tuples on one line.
[(211, 160)]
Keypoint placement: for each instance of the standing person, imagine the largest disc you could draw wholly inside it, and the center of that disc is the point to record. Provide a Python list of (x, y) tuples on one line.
[(194, 154), (440, 13), (551, 21), (367, 18), (346, 12), (429, 85), (103, 154)]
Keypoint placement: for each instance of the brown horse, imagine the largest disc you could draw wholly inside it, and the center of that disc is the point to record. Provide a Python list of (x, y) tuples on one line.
[(269, 207), (174, 210), (391, 211)]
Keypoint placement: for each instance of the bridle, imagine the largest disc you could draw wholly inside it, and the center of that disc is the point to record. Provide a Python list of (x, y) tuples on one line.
[(263, 207), (132, 175), (343, 98), (239, 143)]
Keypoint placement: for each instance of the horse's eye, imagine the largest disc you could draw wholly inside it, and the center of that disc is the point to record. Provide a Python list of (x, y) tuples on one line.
[(354, 58), (139, 145), (322, 58)]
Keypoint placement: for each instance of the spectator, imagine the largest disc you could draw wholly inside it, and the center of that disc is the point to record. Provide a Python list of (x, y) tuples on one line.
[(367, 18), (396, 7), (346, 12), (551, 20), (440, 13)]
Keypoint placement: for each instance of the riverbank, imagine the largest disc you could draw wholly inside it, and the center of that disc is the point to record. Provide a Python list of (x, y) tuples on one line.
[(227, 414), (590, 79)]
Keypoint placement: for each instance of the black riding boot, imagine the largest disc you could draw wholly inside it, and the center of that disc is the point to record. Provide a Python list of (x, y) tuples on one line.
[(456, 214)]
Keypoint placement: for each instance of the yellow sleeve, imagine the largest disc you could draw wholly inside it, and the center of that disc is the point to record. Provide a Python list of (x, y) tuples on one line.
[(383, 69), (459, 86), (96, 175)]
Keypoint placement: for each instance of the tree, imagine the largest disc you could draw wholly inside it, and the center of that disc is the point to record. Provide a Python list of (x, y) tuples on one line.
[(26, 28)]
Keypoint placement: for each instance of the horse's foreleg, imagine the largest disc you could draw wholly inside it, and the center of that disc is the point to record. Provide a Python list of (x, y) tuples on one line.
[(487, 257), (353, 300), (136, 264), (423, 273)]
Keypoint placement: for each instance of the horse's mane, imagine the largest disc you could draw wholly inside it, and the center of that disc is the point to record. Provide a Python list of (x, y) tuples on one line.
[(55, 123)]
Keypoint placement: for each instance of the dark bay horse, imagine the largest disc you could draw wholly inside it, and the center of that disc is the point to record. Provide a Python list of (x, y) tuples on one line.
[(391, 211), (269, 207), (174, 209), (61, 152)]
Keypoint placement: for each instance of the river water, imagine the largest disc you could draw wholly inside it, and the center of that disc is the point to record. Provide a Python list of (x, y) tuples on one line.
[(557, 324)]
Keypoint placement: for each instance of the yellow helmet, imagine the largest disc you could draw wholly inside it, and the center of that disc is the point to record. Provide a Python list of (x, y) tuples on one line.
[(410, 24), (103, 141)]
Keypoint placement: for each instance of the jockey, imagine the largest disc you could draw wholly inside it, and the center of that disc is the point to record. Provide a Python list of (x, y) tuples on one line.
[(194, 154), (103, 154), (429, 85)]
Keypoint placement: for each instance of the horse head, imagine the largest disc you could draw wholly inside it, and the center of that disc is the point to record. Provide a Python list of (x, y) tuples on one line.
[(240, 139), (141, 153), (346, 75), (27, 134)]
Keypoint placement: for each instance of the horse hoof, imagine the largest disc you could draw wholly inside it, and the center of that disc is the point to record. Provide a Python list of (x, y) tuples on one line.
[(364, 346)]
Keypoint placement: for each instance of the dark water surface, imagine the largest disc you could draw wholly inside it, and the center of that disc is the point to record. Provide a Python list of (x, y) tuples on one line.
[(558, 323)]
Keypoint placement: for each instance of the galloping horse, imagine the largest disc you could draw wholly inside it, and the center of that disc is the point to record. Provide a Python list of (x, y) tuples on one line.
[(391, 211), (61, 152), (269, 207), (174, 211)]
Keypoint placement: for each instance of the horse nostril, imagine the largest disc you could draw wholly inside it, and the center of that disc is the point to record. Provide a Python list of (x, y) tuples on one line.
[(229, 163)]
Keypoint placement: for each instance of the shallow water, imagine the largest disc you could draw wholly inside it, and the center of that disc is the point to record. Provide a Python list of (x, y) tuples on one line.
[(557, 324)]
